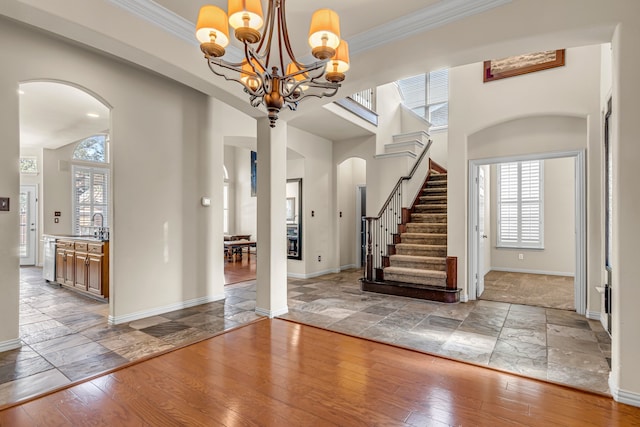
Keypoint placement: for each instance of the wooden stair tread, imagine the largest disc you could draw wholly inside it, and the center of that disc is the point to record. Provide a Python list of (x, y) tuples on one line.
[(413, 234), (414, 245)]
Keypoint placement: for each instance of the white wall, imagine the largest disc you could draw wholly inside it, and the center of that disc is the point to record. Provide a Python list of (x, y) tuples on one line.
[(318, 205), (351, 174), (559, 105), (230, 164), (558, 255)]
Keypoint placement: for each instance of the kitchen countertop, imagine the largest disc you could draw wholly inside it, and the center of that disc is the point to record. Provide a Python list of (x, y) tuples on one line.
[(88, 237)]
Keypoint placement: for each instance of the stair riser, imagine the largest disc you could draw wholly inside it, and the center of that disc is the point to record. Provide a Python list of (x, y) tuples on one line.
[(421, 251), (431, 208), (436, 184), (434, 191), (415, 279), (427, 228), (427, 240), (433, 178), (430, 218), (432, 200)]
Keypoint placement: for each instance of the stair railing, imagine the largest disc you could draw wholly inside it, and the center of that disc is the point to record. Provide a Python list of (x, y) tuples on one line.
[(382, 229)]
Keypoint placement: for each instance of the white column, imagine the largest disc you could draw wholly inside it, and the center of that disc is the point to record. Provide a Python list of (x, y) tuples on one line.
[(271, 298), (625, 353)]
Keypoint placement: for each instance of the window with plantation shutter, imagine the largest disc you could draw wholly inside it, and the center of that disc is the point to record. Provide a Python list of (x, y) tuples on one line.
[(90, 197), (520, 204)]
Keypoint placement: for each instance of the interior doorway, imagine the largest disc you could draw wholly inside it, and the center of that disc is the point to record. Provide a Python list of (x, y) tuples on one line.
[(28, 224), (476, 252)]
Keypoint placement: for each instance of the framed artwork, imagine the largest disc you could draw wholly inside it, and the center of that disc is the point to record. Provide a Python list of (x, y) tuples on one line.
[(291, 209), (254, 174), (496, 69)]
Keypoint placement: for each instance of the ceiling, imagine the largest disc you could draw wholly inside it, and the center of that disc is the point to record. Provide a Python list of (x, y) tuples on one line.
[(55, 114), (388, 41)]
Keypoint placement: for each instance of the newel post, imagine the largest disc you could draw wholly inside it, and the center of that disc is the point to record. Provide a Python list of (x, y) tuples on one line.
[(369, 275), (452, 272)]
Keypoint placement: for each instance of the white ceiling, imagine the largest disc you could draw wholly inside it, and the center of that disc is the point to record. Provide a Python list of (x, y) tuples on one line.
[(55, 114)]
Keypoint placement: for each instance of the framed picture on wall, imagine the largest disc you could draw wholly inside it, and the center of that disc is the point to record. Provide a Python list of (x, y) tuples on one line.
[(496, 69)]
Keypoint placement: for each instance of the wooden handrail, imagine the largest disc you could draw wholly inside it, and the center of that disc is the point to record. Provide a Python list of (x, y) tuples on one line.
[(403, 178)]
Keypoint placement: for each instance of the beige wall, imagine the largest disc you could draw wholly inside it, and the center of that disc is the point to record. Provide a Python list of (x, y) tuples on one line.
[(491, 120), (558, 255), (160, 155), (318, 204)]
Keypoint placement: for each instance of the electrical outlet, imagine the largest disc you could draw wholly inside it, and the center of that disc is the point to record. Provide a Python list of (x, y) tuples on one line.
[(521, 256), (319, 258)]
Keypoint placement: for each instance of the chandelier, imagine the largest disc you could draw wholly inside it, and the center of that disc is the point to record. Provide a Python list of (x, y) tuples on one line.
[(273, 78)]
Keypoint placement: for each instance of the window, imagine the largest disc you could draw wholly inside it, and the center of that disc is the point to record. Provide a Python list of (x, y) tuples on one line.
[(520, 204), (92, 149), (427, 95), (225, 201), (90, 199), (29, 165)]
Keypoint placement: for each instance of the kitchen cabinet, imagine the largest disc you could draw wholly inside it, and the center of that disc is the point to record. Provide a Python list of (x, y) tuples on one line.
[(83, 265), (65, 262)]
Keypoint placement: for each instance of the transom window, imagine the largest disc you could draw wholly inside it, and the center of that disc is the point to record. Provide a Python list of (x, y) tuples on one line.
[(92, 149), (520, 204), (29, 164)]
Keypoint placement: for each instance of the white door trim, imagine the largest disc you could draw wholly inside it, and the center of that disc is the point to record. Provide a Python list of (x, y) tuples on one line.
[(580, 283)]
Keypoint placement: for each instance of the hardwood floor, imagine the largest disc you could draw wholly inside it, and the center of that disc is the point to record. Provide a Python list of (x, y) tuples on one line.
[(241, 270), (276, 372)]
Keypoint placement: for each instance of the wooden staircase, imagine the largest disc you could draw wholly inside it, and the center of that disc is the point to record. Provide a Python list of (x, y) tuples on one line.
[(416, 264)]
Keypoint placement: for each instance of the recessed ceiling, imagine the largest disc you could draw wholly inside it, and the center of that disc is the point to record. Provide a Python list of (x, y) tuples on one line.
[(55, 114)]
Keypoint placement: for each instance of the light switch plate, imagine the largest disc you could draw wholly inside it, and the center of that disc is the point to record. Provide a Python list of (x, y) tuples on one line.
[(4, 203)]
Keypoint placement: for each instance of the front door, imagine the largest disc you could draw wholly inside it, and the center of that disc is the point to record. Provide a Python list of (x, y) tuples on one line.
[(27, 225)]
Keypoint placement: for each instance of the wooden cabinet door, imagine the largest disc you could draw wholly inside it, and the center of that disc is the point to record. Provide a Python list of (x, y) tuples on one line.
[(70, 266), (80, 280), (61, 267), (94, 274)]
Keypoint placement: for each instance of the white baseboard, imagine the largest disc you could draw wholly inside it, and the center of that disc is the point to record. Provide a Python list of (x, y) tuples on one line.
[(312, 275), (348, 267), (623, 396), (118, 320), (524, 270), (10, 345), (271, 313), (594, 315), (464, 298)]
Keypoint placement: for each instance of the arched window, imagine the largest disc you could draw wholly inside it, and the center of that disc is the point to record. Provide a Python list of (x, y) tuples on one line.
[(92, 149)]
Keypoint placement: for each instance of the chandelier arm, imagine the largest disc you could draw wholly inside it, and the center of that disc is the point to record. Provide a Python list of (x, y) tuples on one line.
[(281, 35), (266, 27), (211, 63), (269, 30), (287, 42), (315, 95)]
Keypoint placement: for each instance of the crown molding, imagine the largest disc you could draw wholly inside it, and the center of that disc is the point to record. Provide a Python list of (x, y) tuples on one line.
[(169, 21), (429, 18), (437, 15)]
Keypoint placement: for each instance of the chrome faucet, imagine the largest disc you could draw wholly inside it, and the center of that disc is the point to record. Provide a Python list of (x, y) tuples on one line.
[(100, 232), (93, 219)]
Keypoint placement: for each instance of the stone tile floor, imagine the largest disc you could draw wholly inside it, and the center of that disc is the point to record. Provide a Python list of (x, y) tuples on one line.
[(66, 336), (550, 344)]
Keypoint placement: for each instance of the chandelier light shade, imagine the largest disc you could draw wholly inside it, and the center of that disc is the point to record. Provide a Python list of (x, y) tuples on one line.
[(280, 80)]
